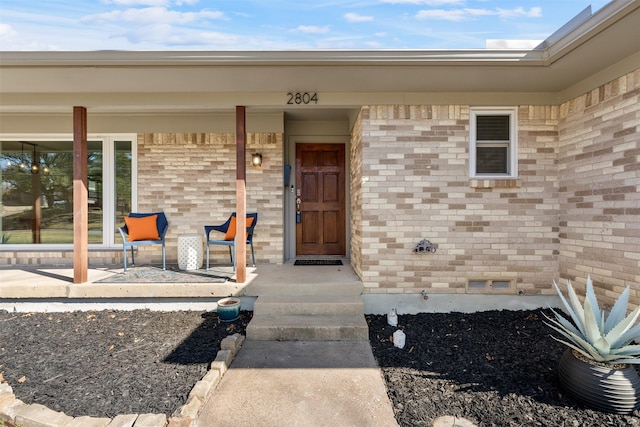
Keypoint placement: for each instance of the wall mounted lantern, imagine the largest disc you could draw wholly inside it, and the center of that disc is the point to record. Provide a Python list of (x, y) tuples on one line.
[(256, 160)]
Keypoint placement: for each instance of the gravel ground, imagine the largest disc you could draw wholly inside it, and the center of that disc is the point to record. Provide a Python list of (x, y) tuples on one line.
[(493, 368)]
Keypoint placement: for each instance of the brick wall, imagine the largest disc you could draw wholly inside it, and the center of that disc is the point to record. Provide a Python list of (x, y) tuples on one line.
[(63, 258), (413, 184), (192, 178), (356, 250), (599, 175)]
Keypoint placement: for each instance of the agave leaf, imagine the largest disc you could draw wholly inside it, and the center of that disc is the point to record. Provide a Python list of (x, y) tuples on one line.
[(619, 330), (576, 315), (632, 334), (592, 356), (562, 322), (613, 358), (591, 327), (602, 346), (628, 350), (579, 343), (633, 361), (594, 308), (619, 310)]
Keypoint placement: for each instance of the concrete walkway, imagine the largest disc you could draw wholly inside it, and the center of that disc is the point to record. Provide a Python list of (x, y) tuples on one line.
[(300, 383)]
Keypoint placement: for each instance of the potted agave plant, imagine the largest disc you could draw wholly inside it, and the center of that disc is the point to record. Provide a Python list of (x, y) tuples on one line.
[(598, 368)]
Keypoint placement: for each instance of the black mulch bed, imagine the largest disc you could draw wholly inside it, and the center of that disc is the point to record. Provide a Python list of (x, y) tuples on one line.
[(495, 368), (105, 363)]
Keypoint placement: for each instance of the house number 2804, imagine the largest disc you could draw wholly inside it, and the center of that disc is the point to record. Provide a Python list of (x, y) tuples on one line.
[(302, 98)]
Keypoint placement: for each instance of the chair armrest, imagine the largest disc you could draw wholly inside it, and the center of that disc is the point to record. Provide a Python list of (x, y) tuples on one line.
[(123, 234), (209, 228)]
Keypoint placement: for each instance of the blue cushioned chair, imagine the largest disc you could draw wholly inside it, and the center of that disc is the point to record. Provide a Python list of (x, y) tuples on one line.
[(227, 240), (161, 224)]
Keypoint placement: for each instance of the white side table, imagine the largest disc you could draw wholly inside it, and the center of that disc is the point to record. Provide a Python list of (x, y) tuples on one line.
[(190, 255)]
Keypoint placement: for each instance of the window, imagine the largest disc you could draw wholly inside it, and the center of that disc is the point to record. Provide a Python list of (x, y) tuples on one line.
[(493, 143), (36, 180)]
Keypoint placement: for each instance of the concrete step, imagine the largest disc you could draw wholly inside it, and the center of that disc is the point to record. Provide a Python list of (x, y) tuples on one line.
[(308, 328), (311, 305), (294, 289)]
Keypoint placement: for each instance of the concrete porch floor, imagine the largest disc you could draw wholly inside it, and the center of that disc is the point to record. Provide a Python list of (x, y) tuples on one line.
[(56, 283)]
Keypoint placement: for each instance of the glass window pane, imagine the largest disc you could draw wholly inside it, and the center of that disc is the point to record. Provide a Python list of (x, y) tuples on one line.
[(492, 160), (492, 128), (37, 208), (123, 177)]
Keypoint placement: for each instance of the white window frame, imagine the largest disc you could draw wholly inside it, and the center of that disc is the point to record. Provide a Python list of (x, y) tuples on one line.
[(512, 144), (109, 239)]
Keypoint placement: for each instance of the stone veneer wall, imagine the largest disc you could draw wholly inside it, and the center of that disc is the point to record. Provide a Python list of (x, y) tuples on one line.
[(192, 178), (410, 182), (599, 178)]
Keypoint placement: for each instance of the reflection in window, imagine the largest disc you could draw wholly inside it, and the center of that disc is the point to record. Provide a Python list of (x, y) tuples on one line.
[(37, 190)]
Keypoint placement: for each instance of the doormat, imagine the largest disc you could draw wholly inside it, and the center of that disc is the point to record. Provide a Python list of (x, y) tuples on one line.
[(317, 262)]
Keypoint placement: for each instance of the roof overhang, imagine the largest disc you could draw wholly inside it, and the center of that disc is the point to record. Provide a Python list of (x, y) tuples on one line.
[(119, 81)]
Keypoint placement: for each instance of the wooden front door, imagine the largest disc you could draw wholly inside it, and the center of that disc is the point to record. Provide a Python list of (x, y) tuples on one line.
[(320, 199)]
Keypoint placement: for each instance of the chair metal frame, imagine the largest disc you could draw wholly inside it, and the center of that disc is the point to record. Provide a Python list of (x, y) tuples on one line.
[(222, 228), (162, 226)]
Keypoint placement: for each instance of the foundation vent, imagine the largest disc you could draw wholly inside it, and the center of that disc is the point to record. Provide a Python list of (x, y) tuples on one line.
[(497, 286)]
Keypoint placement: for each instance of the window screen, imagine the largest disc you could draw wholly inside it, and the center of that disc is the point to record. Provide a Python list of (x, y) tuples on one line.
[(492, 128), (492, 159)]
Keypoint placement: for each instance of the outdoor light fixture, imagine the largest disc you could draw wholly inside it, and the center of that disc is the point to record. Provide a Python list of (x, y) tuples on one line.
[(256, 160), (22, 164), (35, 168), (34, 165)]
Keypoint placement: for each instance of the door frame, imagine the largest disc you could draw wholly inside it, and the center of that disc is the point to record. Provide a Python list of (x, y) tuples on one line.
[(289, 216)]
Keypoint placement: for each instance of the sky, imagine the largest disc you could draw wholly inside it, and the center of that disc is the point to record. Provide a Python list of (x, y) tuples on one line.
[(225, 25)]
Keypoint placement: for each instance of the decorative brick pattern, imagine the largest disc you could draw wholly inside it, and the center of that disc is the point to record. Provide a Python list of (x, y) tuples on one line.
[(599, 176)]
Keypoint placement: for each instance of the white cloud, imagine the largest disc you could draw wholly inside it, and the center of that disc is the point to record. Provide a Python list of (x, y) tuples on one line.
[(426, 2), (354, 17), (313, 29), (167, 35), (534, 12), (131, 3), (12, 40), (457, 15), (152, 15), (447, 15)]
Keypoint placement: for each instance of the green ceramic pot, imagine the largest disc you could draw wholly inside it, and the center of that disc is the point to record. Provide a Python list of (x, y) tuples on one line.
[(228, 309)]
